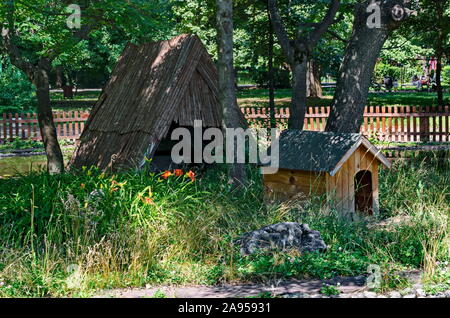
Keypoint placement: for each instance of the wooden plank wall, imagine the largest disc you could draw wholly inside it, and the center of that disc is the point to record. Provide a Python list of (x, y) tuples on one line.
[(341, 187), (289, 183)]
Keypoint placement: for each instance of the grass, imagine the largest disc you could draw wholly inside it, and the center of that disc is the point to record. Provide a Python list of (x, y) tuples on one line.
[(73, 234), (259, 98), (85, 95), (407, 99)]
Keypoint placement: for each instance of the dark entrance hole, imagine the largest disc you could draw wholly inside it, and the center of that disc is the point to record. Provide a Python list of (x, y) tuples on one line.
[(363, 192)]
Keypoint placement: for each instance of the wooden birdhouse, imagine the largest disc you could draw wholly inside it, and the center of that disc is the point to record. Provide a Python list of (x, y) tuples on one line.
[(342, 166)]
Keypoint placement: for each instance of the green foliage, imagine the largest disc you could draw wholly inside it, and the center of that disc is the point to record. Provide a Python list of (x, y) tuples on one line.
[(282, 77), (446, 76), (440, 280), (19, 143), (330, 290), (159, 294), (39, 29), (16, 92), (382, 70)]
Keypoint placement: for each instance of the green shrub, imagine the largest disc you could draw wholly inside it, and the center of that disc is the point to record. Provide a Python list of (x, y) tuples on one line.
[(16, 91), (329, 290), (382, 70), (446, 76), (19, 143)]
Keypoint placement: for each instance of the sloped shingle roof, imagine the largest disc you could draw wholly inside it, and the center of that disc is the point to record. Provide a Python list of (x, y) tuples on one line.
[(320, 151)]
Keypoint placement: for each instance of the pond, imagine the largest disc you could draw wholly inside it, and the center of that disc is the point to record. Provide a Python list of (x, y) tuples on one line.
[(18, 165)]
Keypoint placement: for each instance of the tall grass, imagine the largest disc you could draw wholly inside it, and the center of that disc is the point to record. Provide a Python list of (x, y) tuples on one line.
[(76, 233)]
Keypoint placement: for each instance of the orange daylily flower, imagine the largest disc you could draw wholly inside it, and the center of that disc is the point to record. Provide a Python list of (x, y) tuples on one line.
[(191, 175), (113, 189), (114, 183), (82, 186), (178, 172), (147, 200), (166, 174)]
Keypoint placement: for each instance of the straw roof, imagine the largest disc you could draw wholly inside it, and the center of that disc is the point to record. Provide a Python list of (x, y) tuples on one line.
[(152, 86)]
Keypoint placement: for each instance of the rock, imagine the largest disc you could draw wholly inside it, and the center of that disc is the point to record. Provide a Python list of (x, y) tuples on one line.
[(281, 236), (368, 294), (406, 291), (410, 296), (395, 294), (381, 296), (420, 293), (296, 295)]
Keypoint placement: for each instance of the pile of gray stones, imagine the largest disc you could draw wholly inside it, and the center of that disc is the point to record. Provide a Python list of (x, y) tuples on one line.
[(292, 235)]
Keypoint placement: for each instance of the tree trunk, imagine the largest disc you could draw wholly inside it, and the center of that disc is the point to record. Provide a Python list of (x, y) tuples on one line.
[(59, 81), (38, 75), (271, 83), (440, 52), (297, 52), (440, 90), (314, 84), (299, 95), (363, 49), (55, 162), (232, 115)]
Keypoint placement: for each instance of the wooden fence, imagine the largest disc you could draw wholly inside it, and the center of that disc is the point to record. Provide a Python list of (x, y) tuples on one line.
[(387, 123), (69, 125)]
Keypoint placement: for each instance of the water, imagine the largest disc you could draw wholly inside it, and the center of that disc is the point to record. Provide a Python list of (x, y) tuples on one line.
[(18, 165)]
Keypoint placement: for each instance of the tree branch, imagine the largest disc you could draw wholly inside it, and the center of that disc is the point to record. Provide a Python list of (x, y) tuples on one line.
[(15, 56), (328, 20), (280, 30), (13, 51), (336, 36)]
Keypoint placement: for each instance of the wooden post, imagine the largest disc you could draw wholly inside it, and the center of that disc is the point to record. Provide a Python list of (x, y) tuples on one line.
[(424, 126), (5, 131)]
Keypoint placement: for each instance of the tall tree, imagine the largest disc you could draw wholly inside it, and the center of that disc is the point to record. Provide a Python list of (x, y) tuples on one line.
[(373, 23), (38, 73), (232, 116), (442, 46), (271, 75), (35, 33), (298, 51), (431, 29)]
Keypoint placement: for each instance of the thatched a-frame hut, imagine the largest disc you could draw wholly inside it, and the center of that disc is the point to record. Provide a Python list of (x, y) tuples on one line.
[(153, 89)]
